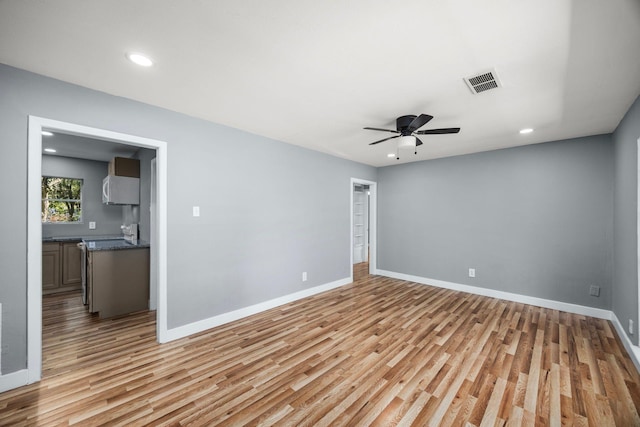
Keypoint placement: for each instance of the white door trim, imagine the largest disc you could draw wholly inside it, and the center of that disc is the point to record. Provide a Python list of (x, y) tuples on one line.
[(373, 214), (153, 237), (34, 229), (637, 344)]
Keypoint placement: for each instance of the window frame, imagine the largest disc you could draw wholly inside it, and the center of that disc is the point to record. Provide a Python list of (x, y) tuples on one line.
[(79, 201)]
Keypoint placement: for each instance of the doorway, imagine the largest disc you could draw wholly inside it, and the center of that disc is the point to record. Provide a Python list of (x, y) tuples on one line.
[(34, 228), (363, 196)]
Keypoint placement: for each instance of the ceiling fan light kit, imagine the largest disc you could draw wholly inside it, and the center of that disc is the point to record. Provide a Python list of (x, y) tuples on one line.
[(405, 142), (407, 130), (409, 141)]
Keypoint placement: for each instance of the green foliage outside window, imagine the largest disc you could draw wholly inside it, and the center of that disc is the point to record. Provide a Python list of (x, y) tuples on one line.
[(61, 199)]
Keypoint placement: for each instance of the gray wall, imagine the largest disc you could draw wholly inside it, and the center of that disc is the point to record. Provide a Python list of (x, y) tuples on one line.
[(269, 210), (108, 218), (625, 277), (534, 220)]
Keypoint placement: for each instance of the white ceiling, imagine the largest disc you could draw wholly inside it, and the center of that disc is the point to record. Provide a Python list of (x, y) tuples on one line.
[(314, 73), (79, 147)]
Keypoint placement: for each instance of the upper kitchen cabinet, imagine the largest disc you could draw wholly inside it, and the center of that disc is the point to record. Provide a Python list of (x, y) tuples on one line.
[(121, 166)]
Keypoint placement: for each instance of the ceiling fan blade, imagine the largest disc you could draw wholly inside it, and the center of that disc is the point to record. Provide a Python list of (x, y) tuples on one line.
[(438, 131), (418, 142), (418, 122), (383, 130), (386, 139)]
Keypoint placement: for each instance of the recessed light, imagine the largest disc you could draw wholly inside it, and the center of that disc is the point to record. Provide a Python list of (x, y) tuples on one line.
[(527, 130), (46, 133), (391, 155), (50, 150), (139, 59)]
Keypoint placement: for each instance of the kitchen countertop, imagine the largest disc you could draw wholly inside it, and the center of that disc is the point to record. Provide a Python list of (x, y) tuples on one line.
[(78, 238), (113, 244), (99, 243)]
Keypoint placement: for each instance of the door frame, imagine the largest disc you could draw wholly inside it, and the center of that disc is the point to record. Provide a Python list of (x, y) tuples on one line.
[(34, 228), (153, 236), (636, 343), (373, 215)]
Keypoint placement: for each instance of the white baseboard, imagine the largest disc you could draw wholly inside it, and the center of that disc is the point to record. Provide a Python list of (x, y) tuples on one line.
[(203, 325), (633, 350), (509, 296), (13, 380)]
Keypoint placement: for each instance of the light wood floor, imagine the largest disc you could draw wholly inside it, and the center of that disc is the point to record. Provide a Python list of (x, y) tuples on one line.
[(376, 352)]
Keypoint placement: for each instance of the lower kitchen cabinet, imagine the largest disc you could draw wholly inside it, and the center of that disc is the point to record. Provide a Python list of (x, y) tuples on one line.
[(50, 266), (61, 267), (71, 265), (118, 281)]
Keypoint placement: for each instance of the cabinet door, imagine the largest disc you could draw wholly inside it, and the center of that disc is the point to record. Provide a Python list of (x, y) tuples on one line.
[(71, 261), (50, 266)]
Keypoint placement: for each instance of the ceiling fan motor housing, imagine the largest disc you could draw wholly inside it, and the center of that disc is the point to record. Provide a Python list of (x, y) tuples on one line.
[(403, 122)]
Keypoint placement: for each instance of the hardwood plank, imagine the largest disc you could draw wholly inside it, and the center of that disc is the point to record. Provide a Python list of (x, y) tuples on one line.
[(555, 415), (490, 415)]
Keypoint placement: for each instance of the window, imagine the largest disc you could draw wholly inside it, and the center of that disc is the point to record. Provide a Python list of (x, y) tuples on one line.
[(61, 200)]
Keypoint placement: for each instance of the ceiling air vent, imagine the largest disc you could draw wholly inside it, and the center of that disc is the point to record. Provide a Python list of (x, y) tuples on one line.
[(483, 82)]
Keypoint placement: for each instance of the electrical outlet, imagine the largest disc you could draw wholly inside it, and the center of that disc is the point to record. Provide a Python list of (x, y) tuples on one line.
[(472, 272), (304, 276), (196, 211), (594, 291), (92, 225), (631, 326)]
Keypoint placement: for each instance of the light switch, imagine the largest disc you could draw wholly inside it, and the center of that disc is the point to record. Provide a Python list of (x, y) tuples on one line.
[(92, 225), (196, 211)]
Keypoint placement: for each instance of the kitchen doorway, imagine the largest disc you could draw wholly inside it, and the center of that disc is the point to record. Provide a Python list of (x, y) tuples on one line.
[(363, 197), (34, 228)]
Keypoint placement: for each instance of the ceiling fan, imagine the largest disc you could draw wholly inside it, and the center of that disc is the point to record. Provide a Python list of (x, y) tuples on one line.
[(407, 130)]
